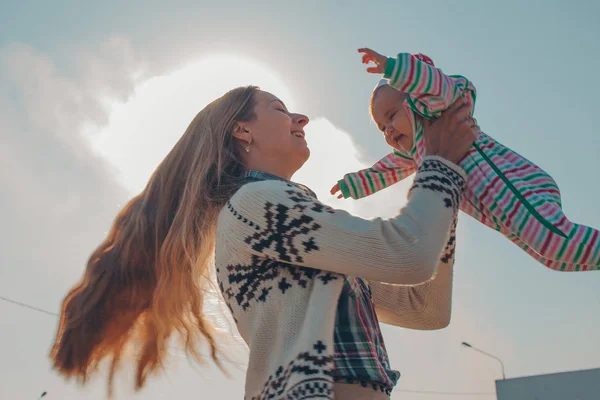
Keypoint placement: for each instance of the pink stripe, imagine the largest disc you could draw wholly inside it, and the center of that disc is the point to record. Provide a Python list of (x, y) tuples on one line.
[(411, 74)]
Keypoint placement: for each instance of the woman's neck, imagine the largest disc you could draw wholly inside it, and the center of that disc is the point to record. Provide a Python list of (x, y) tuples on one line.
[(282, 171)]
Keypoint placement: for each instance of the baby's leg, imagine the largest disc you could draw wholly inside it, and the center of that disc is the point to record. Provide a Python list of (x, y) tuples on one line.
[(526, 200), (555, 265), (474, 209)]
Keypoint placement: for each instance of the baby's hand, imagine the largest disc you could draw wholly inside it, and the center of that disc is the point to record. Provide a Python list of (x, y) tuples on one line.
[(372, 56), (335, 189)]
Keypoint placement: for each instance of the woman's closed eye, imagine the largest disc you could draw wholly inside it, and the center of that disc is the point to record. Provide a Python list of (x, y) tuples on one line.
[(281, 107)]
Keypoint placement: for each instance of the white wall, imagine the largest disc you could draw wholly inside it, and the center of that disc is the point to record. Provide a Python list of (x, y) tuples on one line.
[(575, 385)]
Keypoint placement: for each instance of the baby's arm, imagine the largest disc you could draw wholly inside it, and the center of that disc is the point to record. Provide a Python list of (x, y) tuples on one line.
[(430, 90), (390, 169)]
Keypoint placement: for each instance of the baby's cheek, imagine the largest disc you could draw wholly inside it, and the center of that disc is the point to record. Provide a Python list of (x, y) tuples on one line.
[(404, 125)]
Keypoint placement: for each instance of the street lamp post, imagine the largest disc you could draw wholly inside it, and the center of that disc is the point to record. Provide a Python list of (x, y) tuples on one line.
[(487, 354)]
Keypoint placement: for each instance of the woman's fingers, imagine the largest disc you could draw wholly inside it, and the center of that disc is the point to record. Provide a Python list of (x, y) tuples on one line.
[(462, 110), (452, 134)]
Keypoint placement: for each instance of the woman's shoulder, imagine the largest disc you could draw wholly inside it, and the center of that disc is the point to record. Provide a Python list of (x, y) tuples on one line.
[(252, 197)]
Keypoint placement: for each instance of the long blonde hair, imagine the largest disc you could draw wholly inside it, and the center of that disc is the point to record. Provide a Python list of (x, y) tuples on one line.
[(144, 282)]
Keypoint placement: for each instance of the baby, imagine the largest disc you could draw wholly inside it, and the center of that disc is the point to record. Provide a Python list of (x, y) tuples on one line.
[(505, 191)]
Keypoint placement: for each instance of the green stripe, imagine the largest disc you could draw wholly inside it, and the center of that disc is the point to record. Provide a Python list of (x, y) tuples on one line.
[(524, 222), (524, 201), (470, 166), (382, 179), (467, 84), (402, 155), (529, 178), (429, 82), (389, 68), (416, 78), (344, 188), (510, 205), (423, 113), (583, 243), (562, 249), (356, 196), (371, 183), (398, 70)]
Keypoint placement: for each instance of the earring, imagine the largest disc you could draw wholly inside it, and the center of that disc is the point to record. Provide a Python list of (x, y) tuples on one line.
[(248, 146)]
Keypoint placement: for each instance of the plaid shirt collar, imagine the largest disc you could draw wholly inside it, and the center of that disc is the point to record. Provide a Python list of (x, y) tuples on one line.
[(255, 175)]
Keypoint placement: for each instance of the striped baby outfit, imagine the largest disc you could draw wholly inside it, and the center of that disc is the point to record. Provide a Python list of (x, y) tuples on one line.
[(505, 191)]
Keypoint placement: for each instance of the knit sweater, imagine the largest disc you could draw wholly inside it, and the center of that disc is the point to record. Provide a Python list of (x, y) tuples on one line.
[(281, 258), (505, 190)]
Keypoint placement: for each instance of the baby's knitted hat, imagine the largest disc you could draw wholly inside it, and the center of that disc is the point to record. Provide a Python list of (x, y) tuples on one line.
[(419, 56)]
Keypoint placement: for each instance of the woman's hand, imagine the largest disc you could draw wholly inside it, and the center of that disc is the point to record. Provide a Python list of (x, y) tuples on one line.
[(452, 134), (377, 59)]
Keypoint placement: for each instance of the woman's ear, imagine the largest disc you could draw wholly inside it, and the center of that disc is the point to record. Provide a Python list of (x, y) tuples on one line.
[(241, 132)]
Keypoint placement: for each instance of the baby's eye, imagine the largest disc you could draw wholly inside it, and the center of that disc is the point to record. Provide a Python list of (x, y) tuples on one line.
[(392, 115)]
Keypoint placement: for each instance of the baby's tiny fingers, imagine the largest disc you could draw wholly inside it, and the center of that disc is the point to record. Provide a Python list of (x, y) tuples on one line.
[(340, 196), (335, 188)]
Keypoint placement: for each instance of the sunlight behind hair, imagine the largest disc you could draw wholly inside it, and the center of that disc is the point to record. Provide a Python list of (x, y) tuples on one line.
[(143, 130)]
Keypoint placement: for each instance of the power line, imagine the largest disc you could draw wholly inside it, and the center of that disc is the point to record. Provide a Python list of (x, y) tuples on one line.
[(18, 303), (28, 306), (446, 393)]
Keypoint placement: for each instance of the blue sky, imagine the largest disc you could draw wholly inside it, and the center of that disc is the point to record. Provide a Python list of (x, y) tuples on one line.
[(66, 66)]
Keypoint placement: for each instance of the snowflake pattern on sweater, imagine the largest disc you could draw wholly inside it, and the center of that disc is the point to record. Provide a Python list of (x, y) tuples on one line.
[(281, 256)]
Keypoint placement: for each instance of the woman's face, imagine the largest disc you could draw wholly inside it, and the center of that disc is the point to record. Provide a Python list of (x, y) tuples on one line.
[(277, 134)]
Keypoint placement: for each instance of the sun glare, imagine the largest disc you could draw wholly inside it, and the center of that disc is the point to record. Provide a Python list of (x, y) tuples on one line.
[(143, 130)]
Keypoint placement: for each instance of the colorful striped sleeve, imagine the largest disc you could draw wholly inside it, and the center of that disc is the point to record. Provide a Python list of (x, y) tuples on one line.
[(430, 90), (390, 169)]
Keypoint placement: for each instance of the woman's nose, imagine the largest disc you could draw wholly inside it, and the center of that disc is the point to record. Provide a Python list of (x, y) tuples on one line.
[(300, 119)]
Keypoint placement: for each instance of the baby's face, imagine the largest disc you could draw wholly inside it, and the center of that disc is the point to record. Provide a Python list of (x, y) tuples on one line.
[(387, 109)]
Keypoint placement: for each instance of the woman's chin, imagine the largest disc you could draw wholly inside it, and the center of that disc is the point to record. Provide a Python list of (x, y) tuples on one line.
[(306, 152), (302, 156)]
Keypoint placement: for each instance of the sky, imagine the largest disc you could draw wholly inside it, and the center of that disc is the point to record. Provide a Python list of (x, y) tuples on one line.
[(93, 95)]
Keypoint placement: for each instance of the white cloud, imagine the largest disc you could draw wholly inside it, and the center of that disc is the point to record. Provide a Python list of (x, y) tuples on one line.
[(142, 130), (58, 199), (58, 196)]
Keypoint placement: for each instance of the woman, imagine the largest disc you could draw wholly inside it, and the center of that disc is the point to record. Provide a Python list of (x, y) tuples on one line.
[(306, 284)]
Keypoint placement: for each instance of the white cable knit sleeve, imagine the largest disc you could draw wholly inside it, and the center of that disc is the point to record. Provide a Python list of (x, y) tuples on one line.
[(278, 221), (426, 306)]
